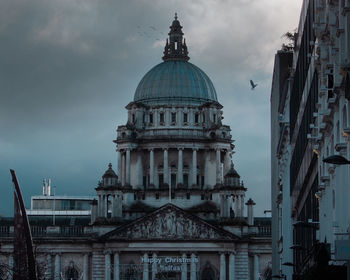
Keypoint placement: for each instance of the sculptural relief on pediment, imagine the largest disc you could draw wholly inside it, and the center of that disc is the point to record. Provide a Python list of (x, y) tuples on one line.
[(170, 224)]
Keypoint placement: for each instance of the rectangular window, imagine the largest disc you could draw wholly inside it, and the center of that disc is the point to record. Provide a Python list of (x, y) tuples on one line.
[(186, 180), (133, 118), (188, 195), (196, 118), (173, 118), (185, 117), (157, 195), (161, 118), (161, 180), (151, 118), (203, 116), (173, 180), (214, 118)]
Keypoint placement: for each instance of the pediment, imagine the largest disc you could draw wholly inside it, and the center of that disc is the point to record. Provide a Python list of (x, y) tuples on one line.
[(169, 223)]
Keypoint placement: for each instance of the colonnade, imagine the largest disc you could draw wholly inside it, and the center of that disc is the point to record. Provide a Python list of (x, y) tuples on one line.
[(149, 269), (234, 202), (194, 266), (147, 266), (102, 205), (124, 166), (232, 266)]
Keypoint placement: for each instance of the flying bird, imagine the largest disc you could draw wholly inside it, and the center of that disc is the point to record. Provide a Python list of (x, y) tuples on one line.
[(253, 85)]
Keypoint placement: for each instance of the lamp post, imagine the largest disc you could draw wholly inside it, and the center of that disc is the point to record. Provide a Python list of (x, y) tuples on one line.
[(339, 160)]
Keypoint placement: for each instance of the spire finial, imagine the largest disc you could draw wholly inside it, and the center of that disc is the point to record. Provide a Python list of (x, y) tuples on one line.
[(175, 48)]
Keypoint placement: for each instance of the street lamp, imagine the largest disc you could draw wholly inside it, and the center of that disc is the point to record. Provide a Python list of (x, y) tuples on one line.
[(279, 276), (336, 159)]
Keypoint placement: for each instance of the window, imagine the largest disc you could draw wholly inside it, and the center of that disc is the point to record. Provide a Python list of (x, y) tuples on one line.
[(161, 118), (203, 117), (151, 118), (214, 118), (173, 180), (161, 180), (185, 117), (186, 180), (173, 118), (157, 195), (196, 118), (133, 117), (172, 195), (188, 195)]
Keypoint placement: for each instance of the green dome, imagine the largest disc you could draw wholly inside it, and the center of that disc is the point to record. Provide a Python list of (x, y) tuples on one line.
[(175, 82)]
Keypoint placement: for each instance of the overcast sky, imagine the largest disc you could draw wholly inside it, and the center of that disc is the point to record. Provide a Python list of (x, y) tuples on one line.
[(68, 68)]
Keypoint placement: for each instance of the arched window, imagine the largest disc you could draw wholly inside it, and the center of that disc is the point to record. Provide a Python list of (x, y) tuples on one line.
[(208, 273), (71, 272)]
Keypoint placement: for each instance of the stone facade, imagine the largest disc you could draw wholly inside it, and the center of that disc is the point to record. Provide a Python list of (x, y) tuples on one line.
[(175, 207)]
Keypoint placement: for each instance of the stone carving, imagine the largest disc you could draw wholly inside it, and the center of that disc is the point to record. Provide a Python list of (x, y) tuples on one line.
[(169, 223)]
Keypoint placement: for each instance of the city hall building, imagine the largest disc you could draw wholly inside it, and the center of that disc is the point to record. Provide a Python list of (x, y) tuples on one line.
[(174, 208)]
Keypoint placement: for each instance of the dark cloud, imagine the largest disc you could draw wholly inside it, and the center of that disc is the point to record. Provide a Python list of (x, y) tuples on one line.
[(69, 67)]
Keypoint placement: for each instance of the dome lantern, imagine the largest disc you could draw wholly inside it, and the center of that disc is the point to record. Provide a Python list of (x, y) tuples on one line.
[(175, 48)]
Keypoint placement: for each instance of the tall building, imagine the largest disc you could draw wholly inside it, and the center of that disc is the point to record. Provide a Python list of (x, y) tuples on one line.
[(176, 207), (317, 104)]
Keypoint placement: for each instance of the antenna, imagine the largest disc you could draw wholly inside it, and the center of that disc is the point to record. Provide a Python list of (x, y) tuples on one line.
[(49, 187), (44, 186)]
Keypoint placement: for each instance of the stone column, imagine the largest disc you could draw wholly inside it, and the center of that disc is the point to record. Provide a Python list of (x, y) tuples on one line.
[(184, 268), (227, 162), (218, 163), (180, 177), (119, 159), (238, 209), (48, 270), (145, 267), (139, 170), (154, 266), (222, 266), (99, 203), (86, 267), (107, 266), (116, 266), (127, 173), (242, 205), (151, 167), (105, 206), (232, 267), (207, 169), (194, 167), (193, 267), (256, 267), (166, 167), (11, 266), (113, 201), (123, 169), (57, 267), (228, 205)]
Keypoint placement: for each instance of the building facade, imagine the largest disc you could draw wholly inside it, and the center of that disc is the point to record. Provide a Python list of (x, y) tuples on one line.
[(317, 113), (175, 208)]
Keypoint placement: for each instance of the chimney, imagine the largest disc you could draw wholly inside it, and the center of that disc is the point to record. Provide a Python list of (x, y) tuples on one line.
[(250, 203)]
